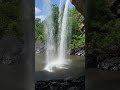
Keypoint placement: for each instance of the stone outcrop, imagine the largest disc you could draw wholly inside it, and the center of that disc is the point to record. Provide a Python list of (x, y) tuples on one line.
[(80, 5), (113, 4), (39, 47), (106, 58)]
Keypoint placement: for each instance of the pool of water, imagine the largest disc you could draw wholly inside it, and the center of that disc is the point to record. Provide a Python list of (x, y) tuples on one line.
[(75, 69)]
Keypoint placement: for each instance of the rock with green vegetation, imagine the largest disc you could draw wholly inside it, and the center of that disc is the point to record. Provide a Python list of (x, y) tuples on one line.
[(11, 32), (104, 26)]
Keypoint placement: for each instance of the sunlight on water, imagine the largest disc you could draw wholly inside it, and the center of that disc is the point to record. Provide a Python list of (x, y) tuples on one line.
[(57, 64), (52, 50)]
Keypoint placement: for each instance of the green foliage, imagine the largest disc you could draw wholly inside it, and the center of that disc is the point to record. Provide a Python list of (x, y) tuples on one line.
[(55, 14), (75, 21), (78, 40), (39, 29), (104, 26), (10, 18), (111, 35)]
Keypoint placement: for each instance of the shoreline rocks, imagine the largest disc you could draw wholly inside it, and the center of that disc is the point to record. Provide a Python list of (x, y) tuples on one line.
[(106, 58), (79, 51), (40, 48), (61, 84)]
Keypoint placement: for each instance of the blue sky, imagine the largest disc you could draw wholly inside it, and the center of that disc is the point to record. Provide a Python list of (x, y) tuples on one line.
[(39, 7)]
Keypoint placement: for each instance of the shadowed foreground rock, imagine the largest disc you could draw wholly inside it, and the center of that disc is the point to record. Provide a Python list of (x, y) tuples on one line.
[(105, 58), (11, 50), (61, 84)]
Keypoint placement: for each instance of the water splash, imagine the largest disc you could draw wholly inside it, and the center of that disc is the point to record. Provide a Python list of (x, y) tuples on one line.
[(63, 34), (56, 59), (49, 35)]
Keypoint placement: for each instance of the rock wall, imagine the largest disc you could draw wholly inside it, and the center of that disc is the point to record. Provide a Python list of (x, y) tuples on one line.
[(80, 5), (11, 50)]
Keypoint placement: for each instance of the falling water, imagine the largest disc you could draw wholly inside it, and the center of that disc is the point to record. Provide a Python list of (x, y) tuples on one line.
[(60, 18), (49, 35), (63, 34), (53, 58)]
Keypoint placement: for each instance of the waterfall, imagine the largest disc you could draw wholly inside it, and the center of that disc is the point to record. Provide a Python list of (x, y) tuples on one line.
[(49, 35), (56, 59), (63, 34)]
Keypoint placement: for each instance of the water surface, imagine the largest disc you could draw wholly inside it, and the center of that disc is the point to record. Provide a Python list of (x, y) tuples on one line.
[(75, 69)]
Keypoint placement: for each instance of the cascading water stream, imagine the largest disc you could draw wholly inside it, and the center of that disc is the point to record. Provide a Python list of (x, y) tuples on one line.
[(53, 58), (60, 17), (63, 34), (49, 35)]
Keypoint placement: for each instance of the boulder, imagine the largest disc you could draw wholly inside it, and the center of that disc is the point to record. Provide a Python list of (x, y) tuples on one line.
[(39, 47), (80, 51)]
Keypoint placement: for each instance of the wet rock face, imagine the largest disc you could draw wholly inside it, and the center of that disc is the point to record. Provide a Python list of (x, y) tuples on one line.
[(110, 59), (91, 57), (61, 84), (80, 5), (79, 51), (39, 47), (106, 59), (114, 4), (10, 50), (110, 64)]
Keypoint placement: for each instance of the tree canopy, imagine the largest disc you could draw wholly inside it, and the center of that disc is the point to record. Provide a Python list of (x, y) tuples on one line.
[(75, 20), (104, 26), (10, 18)]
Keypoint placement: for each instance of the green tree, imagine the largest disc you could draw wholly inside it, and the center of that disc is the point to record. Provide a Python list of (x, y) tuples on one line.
[(104, 27), (78, 36), (11, 18), (55, 15), (39, 29), (75, 21)]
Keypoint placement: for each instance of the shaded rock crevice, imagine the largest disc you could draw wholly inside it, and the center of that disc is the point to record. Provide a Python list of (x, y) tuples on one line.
[(105, 58)]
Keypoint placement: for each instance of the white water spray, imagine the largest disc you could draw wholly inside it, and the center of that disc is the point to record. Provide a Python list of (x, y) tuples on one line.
[(49, 35), (53, 58), (63, 34)]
